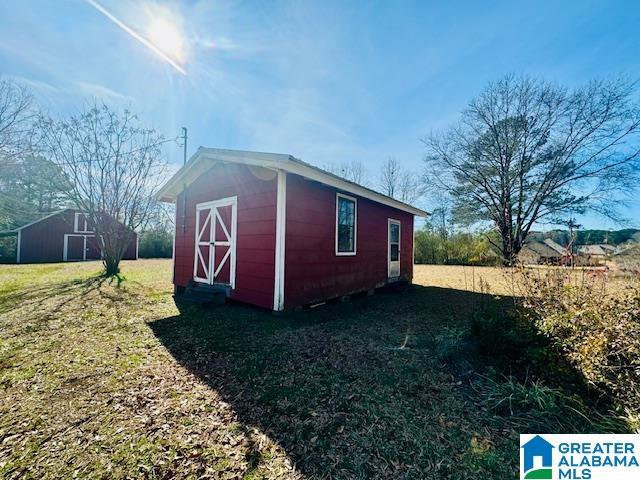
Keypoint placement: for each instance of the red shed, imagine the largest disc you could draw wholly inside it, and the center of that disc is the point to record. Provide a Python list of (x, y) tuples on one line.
[(276, 232), (63, 236)]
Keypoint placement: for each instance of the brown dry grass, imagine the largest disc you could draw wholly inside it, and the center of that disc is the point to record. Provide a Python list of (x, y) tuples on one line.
[(464, 278), (89, 391), (101, 381), (505, 281)]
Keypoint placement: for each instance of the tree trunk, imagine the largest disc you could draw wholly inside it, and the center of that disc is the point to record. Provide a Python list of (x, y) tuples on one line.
[(507, 249), (111, 266)]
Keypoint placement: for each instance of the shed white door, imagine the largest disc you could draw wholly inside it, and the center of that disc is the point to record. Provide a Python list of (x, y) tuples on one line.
[(215, 252), (394, 249)]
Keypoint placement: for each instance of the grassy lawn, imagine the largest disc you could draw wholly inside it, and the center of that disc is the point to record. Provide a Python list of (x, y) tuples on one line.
[(104, 381)]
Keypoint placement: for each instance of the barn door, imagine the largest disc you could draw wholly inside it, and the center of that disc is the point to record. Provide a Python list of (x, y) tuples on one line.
[(215, 252), (92, 248), (394, 249), (74, 248)]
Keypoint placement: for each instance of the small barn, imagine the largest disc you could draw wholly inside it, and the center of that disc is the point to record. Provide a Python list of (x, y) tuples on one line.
[(539, 253), (563, 251), (596, 254), (276, 232), (62, 236)]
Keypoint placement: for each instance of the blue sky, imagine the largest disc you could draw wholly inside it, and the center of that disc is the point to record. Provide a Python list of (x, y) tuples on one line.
[(325, 81)]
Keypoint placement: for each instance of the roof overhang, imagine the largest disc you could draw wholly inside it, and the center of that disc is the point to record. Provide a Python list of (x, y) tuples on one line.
[(205, 158)]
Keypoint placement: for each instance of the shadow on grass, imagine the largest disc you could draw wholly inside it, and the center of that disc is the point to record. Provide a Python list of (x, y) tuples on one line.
[(38, 295), (53, 296), (400, 385)]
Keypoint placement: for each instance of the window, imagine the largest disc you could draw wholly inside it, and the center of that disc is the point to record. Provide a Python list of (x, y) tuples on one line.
[(394, 249), (346, 217), (394, 241), (80, 223)]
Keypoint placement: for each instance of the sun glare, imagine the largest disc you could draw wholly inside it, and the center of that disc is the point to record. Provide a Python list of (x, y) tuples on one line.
[(167, 37)]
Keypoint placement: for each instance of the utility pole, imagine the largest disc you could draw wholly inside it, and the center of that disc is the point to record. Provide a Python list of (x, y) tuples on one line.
[(572, 224), (184, 188), (184, 145)]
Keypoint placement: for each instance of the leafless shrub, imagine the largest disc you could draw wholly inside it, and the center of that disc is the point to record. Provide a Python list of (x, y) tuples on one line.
[(595, 326), (113, 167)]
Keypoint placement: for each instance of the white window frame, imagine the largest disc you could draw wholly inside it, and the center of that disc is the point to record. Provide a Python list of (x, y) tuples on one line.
[(391, 221), (355, 225), (76, 222)]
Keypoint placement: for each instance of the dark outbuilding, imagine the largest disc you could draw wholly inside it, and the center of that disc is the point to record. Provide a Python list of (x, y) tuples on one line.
[(62, 236)]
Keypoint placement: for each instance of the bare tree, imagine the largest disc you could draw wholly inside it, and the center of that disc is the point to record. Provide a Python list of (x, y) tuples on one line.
[(409, 187), (354, 171), (390, 177), (113, 167), (526, 150), (164, 214), (29, 183), (442, 216), (396, 182), (16, 115)]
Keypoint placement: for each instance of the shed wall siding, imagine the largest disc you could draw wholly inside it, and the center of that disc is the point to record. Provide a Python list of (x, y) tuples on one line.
[(256, 190), (44, 241), (313, 271)]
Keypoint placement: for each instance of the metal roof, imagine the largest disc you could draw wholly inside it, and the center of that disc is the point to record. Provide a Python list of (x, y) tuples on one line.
[(204, 158), (542, 249), (44, 217), (556, 246), (592, 250)]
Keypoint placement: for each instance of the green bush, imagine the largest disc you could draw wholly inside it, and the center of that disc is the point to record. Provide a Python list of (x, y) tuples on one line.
[(507, 338), (155, 243), (453, 249), (7, 249)]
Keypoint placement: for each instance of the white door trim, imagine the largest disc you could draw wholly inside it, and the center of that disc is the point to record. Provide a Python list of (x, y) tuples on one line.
[(214, 218), (390, 222), (281, 227), (18, 242), (198, 260), (65, 247)]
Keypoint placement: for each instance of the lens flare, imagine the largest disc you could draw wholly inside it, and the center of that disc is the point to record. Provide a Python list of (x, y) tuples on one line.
[(167, 37)]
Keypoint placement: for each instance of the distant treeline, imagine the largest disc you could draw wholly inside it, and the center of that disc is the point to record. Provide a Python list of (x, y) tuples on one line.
[(457, 248), (590, 237), (443, 246)]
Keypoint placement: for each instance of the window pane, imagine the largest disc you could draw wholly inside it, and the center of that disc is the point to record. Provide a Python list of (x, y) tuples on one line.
[(345, 212), (395, 232), (394, 252), (345, 239), (346, 225)]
